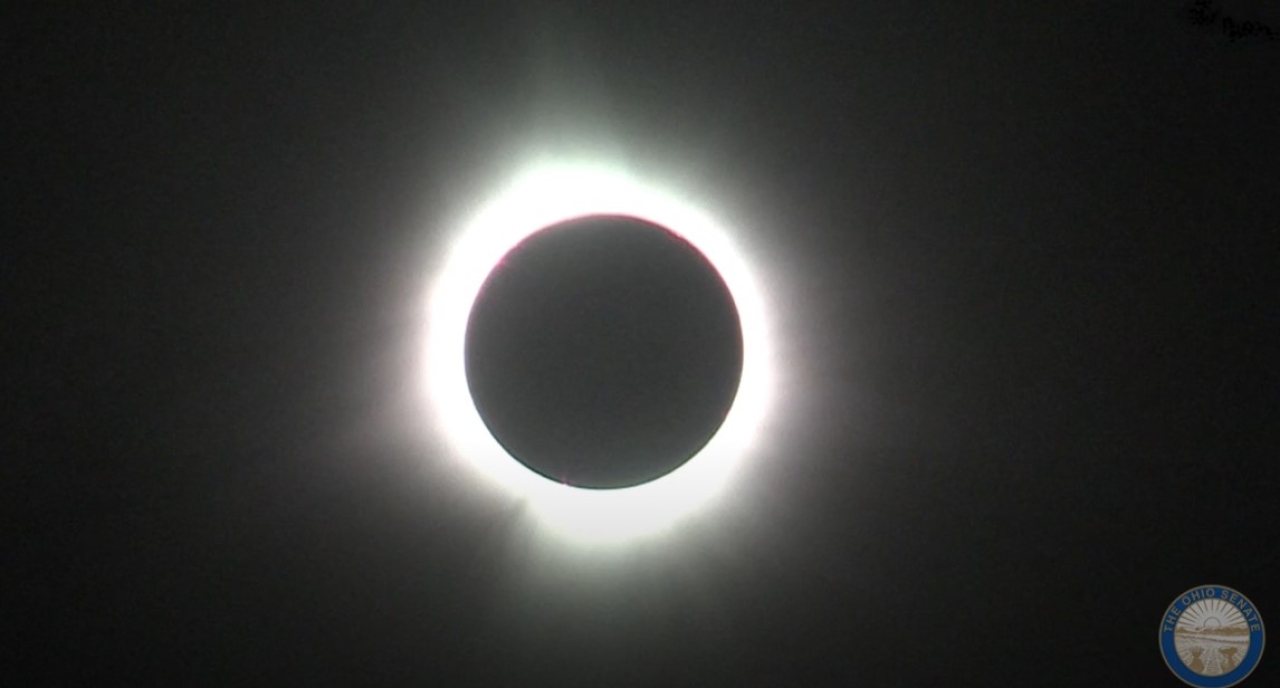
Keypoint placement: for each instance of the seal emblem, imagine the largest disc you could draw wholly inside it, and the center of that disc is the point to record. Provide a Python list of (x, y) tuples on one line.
[(1211, 636)]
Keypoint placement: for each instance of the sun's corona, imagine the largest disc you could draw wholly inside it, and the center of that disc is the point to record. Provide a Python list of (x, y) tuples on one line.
[(540, 197)]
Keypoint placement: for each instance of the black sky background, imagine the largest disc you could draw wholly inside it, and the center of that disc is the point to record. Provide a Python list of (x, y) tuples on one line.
[(1028, 308)]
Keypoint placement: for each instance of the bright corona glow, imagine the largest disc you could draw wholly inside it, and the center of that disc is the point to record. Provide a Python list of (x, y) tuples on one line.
[(541, 197)]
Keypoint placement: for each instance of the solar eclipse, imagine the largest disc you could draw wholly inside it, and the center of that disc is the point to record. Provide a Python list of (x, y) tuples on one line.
[(603, 352), (644, 492)]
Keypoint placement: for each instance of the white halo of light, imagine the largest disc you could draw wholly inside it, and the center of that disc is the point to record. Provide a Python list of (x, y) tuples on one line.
[(546, 195)]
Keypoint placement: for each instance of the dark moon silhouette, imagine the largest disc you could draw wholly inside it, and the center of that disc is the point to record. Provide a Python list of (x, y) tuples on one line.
[(603, 351)]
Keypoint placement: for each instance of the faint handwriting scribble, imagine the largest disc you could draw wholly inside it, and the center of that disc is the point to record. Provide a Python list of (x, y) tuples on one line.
[(1207, 14)]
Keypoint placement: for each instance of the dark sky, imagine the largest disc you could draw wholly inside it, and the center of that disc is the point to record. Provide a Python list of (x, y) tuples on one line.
[(1023, 267)]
